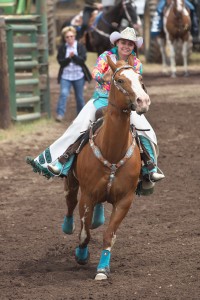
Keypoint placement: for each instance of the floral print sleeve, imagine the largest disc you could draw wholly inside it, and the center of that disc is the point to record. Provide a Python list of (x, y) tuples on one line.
[(138, 65), (100, 68)]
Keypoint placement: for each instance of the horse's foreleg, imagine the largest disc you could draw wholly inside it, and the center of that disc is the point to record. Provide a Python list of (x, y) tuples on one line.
[(118, 214), (85, 212), (184, 54), (172, 59), (161, 43), (71, 190)]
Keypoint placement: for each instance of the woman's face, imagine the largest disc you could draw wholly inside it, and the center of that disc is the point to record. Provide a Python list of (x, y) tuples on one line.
[(125, 47), (69, 37)]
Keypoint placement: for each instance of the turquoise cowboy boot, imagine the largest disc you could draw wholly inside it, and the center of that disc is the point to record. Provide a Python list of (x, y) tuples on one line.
[(59, 169), (151, 175)]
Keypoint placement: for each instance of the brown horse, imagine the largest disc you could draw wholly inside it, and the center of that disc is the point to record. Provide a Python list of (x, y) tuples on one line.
[(177, 25), (108, 167)]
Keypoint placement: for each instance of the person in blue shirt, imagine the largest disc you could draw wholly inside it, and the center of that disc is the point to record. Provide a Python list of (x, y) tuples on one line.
[(157, 22)]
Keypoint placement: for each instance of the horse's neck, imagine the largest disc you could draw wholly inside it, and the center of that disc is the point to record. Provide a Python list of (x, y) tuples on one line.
[(115, 14), (115, 134)]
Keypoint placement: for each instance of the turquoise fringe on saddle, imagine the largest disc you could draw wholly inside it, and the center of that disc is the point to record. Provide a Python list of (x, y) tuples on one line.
[(37, 168)]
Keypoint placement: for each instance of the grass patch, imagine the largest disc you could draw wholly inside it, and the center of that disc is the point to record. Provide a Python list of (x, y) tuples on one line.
[(18, 130)]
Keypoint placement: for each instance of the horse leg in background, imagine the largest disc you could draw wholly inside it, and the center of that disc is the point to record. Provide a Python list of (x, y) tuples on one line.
[(118, 214), (161, 43), (85, 212), (172, 59), (184, 54), (71, 187)]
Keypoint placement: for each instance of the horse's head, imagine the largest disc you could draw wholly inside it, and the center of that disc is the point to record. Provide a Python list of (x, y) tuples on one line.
[(130, 11), (123, 9), (130, 86)]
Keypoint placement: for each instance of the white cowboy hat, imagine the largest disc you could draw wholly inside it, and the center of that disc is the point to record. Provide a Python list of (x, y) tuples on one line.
[(126, 34)]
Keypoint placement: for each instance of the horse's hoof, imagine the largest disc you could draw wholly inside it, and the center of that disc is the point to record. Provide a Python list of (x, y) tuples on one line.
[(82, 255), (68, 225), (102, 274)]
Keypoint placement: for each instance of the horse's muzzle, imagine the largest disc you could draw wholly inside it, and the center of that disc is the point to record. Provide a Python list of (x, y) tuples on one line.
[(142, 104)]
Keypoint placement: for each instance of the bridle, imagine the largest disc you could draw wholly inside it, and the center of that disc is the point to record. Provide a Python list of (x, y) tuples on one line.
[(126, 11), (121, 89)]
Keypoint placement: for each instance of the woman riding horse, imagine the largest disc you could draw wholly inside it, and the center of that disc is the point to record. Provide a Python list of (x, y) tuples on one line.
[(108, 168), (55, 161)]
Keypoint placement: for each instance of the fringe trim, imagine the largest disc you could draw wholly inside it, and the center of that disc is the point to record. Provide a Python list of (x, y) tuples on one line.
[(37, 168)]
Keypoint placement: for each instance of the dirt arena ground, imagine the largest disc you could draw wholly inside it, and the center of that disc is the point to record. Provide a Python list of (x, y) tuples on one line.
[(156, 255)]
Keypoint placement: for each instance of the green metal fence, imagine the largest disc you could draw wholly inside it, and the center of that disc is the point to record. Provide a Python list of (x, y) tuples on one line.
[(27, 49)]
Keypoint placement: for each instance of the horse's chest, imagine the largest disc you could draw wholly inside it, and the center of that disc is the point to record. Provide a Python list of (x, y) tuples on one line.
[(104, 185)]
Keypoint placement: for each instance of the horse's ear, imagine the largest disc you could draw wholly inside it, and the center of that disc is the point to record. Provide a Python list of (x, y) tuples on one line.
[(111, 63), (131, 60)]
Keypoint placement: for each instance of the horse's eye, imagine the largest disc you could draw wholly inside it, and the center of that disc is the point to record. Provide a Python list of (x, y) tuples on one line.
[(120, 81)]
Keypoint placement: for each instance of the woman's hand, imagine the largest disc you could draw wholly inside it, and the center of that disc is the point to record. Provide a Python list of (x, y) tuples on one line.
[(71, 54)]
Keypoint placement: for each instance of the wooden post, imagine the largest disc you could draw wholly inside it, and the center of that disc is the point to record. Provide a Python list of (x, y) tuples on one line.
[(5, 119)]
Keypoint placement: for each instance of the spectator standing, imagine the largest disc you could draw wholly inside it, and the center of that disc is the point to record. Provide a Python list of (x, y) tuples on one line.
[(73, 71)]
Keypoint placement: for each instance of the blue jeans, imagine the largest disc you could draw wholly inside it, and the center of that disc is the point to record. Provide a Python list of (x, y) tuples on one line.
[(65, 87)]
